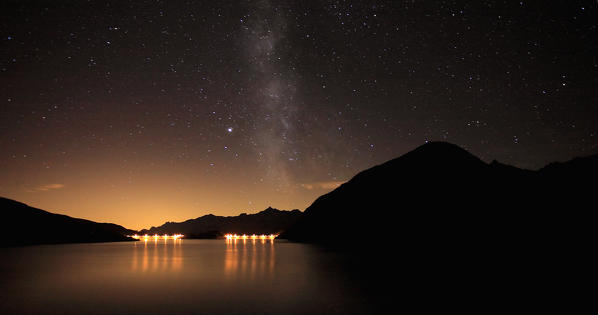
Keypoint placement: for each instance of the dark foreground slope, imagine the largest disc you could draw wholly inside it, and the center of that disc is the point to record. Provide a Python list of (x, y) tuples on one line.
[(440, 189), (443, 227), (437, 188), (269, 221), (24, 225)]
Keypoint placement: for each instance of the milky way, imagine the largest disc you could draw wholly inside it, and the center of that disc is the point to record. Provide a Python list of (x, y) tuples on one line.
[(275, 92)]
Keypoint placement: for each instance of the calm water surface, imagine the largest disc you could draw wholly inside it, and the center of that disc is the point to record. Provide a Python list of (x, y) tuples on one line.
[(182, 276)]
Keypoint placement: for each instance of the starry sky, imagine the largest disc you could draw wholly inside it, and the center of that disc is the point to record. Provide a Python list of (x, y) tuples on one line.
[(141, 112)]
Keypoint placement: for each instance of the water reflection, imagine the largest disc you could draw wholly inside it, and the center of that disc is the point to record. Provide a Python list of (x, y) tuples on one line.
[(155, 254), (249, 258), (183, 277)]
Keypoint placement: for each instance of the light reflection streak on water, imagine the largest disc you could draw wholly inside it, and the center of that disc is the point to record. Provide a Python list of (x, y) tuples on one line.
[(153, 255), (200, 276), (251, 260)]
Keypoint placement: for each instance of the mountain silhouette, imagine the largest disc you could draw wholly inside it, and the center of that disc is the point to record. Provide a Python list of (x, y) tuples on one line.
[(447, 227), (441, 188), (436, 187), (25, 225), (268, 221)]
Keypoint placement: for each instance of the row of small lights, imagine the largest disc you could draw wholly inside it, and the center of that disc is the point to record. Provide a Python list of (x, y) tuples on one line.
[(156, 236), (252, 237), (228, 236)]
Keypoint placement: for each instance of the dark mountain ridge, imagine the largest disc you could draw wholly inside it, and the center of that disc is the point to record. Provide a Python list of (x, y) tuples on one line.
[(450, 229), (268, 221), (25, 225), (440, 187)]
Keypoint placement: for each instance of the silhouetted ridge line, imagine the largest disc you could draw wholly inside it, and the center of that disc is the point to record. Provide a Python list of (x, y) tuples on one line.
[(25, 225), (444, 228), (268, 221), (441, 189)]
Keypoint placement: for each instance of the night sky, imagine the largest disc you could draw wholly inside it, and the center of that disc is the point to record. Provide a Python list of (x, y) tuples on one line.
[(141, 112)]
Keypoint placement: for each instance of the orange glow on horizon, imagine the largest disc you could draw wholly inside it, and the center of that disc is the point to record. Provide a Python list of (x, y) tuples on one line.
[(150, 203)]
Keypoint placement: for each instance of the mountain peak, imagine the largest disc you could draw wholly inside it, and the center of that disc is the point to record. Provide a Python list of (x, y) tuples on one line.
[(436, 159), (269, 210), (441, 149), (435, 176), (440, 145)]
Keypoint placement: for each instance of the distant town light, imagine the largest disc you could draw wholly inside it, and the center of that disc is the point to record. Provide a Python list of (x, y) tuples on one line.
[(156, 237), (234, 237)]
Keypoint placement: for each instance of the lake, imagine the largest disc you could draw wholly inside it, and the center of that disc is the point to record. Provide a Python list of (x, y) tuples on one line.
[(177, 276)]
